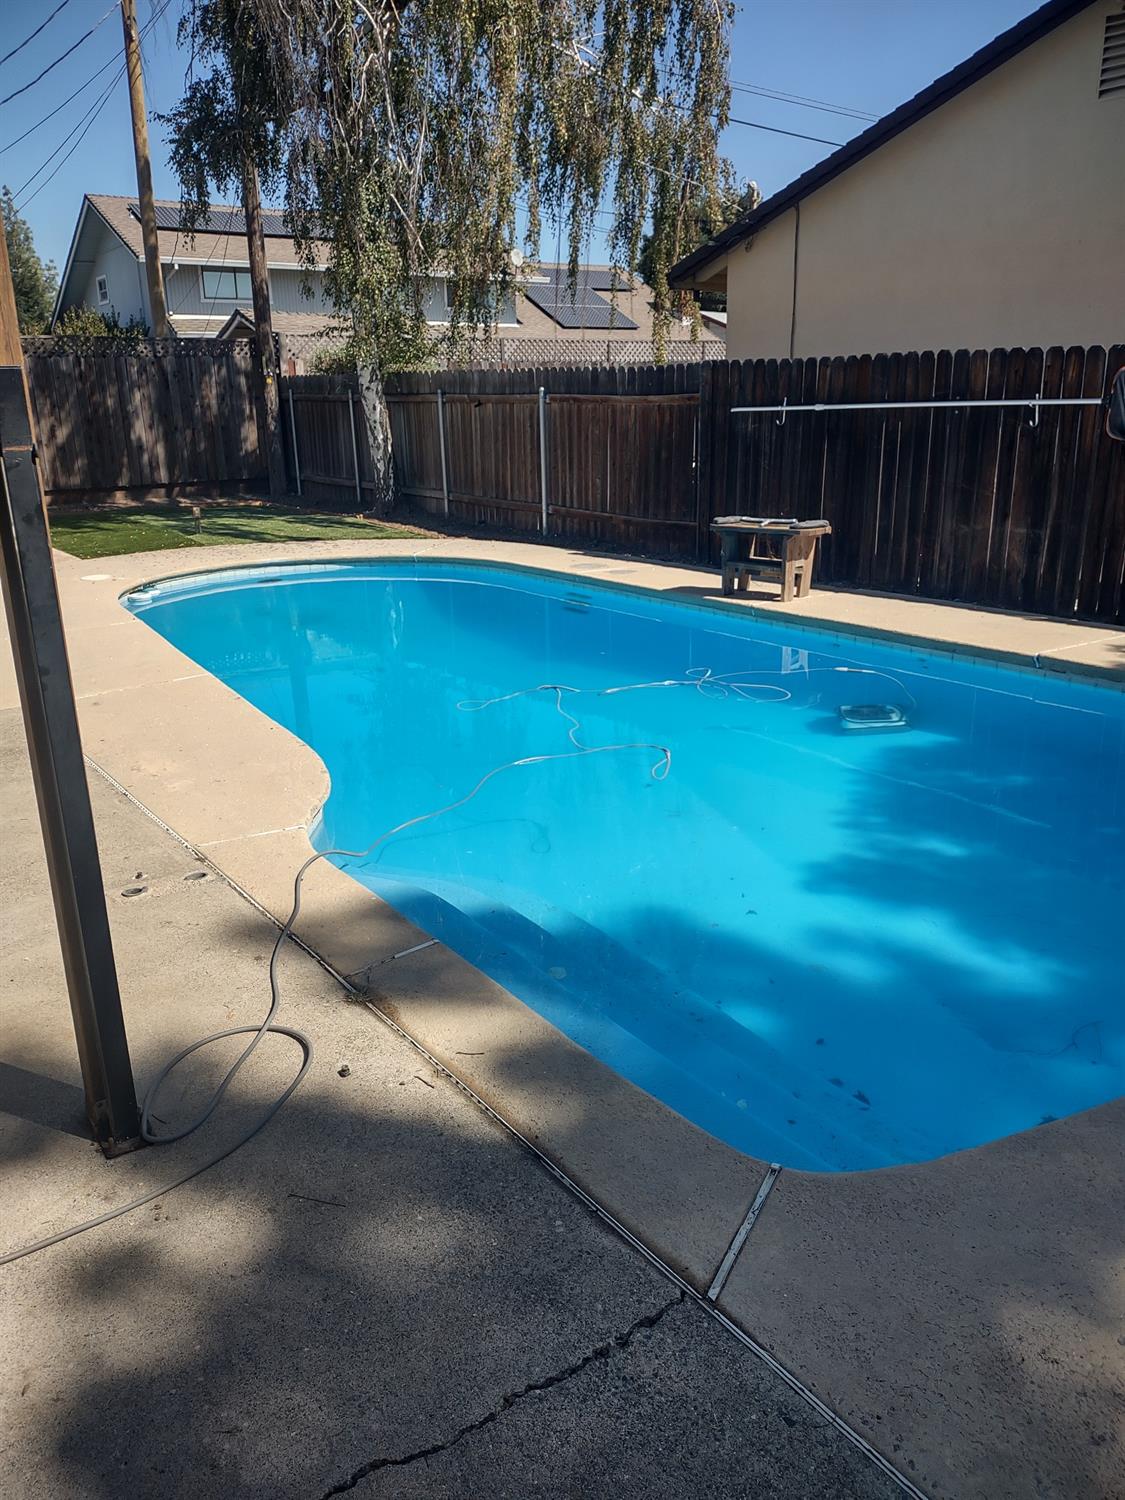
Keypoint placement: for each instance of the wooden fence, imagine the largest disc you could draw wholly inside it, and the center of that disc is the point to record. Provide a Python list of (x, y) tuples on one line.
[(999, 506), (167, 416), (605, 454), (326, 445), (1016, 507)]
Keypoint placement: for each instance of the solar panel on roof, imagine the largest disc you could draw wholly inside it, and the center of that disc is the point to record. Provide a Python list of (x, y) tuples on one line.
[(218, 221), (591, 279), (586, 310)]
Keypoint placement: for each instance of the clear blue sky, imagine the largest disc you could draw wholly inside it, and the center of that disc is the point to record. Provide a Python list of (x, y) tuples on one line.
[(865, 55)]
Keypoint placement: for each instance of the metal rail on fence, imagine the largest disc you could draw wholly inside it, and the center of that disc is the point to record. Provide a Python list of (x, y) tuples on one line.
[(1033, 402)]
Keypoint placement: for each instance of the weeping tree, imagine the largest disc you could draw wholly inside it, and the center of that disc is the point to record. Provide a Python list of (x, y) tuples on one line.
[(706, 217), (448, 137)]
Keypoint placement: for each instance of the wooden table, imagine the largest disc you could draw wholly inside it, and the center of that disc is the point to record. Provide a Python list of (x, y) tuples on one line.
[(790, 564)]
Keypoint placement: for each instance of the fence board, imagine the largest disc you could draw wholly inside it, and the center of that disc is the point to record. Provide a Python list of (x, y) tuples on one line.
[(159, 415)]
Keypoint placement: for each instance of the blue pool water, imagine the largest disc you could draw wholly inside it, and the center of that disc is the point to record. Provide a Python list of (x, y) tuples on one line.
[(834, 949)]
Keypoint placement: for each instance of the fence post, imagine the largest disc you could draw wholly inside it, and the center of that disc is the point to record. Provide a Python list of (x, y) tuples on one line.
[(543, 459), (441, 445), (355, 449), (704, 460), (293, 435)]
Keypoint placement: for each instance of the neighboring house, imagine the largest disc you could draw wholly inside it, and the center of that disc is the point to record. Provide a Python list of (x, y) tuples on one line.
[(205, 279), (988, 211), (602, 305), (207, 285)]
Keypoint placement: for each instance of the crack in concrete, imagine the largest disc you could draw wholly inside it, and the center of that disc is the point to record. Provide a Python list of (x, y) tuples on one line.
[(601, 1352)]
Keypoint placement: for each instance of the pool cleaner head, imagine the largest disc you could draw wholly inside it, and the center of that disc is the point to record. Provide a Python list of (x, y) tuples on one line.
[(854, 716)]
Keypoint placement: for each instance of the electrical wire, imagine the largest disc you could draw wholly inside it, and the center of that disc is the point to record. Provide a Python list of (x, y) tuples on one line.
[(803, 100), (58, 107), (61, 58), (149, 24), (41, 27), (92, 116), (777, 130), (93, 110)]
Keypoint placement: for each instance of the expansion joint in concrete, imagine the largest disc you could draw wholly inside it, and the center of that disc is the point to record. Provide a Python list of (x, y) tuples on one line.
[(734, 1249)]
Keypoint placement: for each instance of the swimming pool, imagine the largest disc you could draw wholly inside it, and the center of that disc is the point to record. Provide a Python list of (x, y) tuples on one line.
[(831, 946)]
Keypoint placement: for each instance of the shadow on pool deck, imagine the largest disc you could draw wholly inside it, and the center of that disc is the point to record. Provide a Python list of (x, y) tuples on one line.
[(965, 1314)]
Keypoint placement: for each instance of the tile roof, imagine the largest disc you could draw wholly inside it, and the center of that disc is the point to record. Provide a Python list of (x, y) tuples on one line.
[(283, 322)]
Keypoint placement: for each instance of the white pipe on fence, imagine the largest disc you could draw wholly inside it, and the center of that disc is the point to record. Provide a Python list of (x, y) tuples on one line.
[(441, 444), (1033, 401), (543, 460)]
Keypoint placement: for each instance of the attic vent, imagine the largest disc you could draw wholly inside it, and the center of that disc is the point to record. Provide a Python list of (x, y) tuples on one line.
[(1112, 77)]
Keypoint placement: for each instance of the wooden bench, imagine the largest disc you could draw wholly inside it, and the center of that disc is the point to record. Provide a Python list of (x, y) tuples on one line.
[(789, 562)]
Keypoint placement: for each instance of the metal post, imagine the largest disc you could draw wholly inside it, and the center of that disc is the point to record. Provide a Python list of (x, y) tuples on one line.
[(47, 697), (355, 453), (441, 445), (293, 435), (543, 459)]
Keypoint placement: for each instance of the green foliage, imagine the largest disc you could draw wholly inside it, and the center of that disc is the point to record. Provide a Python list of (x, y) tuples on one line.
[(35, 281), (84, 322), (409, 137), (333, 359), (705, 219)]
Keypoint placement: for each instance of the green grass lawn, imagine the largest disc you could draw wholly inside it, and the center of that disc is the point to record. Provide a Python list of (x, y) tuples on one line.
[(106, 533)]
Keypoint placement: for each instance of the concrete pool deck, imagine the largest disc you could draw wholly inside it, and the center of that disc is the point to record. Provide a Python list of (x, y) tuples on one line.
[(965, 1316)]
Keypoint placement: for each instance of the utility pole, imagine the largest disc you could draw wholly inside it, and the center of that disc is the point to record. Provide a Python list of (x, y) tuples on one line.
[(144, 169), (263, 330), (31, 603)]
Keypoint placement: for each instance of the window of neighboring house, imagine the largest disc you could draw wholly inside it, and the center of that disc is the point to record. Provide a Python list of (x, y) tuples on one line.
[(226, 286), (103, 290), (505, 316)]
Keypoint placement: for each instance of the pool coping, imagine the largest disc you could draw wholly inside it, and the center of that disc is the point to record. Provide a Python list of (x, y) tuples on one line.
[(679, 1191)]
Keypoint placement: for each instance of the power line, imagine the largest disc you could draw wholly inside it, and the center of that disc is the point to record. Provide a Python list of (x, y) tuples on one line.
[(41, 27), (68, 100), (102, 102), (82, 120), (149, 24), (803, 100), (91, 115), (777, 130), (61, 58)]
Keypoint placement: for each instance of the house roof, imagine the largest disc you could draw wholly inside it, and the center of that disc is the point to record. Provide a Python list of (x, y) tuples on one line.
[(999, 51), (240, 323), (121, 215)]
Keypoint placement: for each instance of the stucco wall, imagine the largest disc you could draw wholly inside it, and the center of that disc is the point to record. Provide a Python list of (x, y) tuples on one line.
[(998, 220)]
